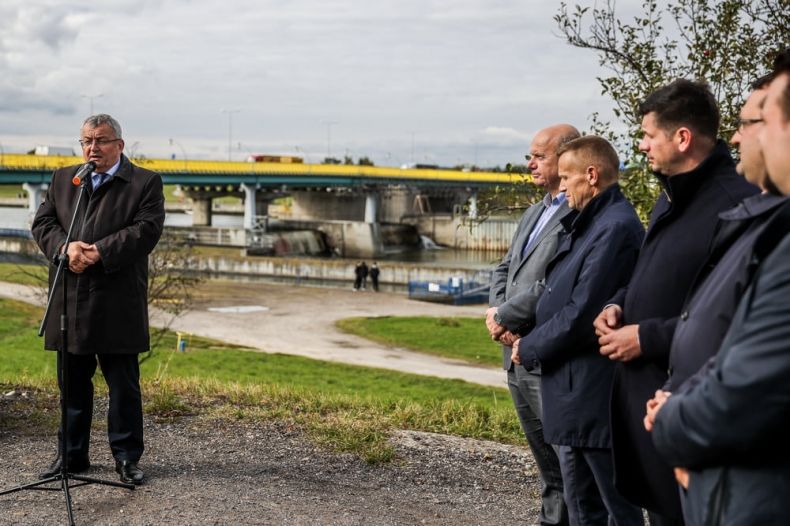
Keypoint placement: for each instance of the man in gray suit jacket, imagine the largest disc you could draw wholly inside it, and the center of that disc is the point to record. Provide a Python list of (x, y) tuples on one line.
[(515, 288)]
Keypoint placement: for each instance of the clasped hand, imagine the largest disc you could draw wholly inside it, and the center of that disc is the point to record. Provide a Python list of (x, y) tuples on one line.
[(498, 333), (81, 256), (618, 342)]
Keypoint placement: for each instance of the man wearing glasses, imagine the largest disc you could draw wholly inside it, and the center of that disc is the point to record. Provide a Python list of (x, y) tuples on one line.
[(119, 223)]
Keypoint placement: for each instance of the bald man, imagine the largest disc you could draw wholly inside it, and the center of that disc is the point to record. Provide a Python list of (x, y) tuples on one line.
[(514, 294)]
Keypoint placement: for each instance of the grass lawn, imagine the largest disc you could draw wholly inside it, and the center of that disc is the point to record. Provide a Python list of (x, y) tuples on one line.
[(462, 338), (346, 407), (458, 338), (24, 274), (11, 190)]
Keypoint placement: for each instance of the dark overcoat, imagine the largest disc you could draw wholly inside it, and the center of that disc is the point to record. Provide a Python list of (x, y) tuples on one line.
[(108, 303), (741, 243), (595, 258), (676, 245), (731, 429)]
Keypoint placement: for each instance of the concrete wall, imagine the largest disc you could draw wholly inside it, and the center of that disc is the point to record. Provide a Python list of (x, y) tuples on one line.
[(329, 270), (492, 234), (18, 245), (332, 206), (304, 269), (393, 204)]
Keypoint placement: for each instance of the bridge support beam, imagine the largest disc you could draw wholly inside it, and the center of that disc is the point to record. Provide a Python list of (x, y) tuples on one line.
[(201, 211), (35, 194), (371, 208), (473, 206), (250, 206)]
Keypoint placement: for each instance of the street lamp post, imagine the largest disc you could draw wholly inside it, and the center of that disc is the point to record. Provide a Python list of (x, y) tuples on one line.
[(230, 128), (183, 152), (329, 125), (90, 98)]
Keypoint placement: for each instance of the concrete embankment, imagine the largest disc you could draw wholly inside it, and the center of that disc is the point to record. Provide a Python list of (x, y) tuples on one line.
[(319, 271)]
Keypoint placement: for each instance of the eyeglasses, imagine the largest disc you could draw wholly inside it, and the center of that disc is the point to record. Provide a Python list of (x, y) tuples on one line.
[(743, 123), (85, 143)]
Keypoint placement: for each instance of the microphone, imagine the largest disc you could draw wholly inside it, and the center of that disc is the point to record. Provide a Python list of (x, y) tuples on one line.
[(86, 169)]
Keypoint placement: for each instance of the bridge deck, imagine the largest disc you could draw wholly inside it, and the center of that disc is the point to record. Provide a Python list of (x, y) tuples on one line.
[(19, 168)]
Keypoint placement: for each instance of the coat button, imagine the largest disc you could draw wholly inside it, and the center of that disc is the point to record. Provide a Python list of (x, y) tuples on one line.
[(684, 316)]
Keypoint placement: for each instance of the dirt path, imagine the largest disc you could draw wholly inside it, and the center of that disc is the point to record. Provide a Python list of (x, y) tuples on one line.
[(300, 321), (235, 473)]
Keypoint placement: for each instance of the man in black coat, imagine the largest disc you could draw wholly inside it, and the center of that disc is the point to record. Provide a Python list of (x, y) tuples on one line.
[(121, 219), (738, 247), (730, 429), (680, 123), (594, 259)]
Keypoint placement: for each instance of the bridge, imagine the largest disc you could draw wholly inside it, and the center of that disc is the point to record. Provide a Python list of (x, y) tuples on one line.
[(325, 192)]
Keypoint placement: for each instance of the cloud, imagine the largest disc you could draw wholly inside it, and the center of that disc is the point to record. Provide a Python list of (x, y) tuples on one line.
[(463, 76)]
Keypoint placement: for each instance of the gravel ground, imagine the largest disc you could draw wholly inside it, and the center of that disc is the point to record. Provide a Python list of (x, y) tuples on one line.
[(220, 472)]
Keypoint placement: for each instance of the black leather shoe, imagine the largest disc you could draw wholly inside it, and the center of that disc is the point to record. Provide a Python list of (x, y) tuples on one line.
[(76, 465), (129, 472)]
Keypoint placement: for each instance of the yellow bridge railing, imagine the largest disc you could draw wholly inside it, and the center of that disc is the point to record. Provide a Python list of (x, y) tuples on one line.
[(51, 163)]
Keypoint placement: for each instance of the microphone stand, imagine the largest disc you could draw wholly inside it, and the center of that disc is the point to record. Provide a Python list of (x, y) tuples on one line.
[(64, 477)]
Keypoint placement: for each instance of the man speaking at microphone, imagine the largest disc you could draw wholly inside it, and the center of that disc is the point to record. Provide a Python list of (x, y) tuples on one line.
[(118, 225)]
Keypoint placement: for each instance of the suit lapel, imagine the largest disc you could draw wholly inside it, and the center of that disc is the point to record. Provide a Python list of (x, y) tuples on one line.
[(553, 222), (529, 223)]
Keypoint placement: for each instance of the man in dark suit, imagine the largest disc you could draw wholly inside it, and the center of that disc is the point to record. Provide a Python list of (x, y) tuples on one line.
[(727, 432), (121, 219), (680, 122), (594, 259), (514, 294)]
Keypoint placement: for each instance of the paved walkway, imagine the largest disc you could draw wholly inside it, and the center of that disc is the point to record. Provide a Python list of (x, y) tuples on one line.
[(285, 319)]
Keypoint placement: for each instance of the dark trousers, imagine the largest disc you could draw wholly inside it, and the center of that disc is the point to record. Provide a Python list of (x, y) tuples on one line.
[(589, 489), (125, 413), (525, 391), (656, 519)]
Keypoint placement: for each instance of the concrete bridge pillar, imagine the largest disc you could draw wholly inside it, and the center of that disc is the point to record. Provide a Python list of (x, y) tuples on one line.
[(35, 193), (473, 206), (250, 206), (371, 208), (201, 211)]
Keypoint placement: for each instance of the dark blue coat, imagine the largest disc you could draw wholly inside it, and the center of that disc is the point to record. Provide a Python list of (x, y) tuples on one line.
[(676, 246), (741, 243), (594, 259), (732, 428)]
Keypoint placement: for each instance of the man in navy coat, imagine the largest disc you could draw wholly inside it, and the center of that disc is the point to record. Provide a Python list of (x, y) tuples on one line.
[(594, 259)]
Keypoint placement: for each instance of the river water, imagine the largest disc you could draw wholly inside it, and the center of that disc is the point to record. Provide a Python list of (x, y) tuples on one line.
[(16, 218)]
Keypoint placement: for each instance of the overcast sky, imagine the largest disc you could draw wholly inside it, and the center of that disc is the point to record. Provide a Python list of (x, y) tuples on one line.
[(438, 81)]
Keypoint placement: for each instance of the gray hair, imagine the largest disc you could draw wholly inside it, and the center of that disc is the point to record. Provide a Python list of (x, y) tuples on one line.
[(102, 118)]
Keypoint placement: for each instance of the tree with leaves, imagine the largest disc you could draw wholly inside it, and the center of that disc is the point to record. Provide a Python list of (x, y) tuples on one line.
[(726, 43)]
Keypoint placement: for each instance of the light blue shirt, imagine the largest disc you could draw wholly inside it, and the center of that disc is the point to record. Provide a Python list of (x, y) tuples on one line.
[(550, 208), (99, 178)]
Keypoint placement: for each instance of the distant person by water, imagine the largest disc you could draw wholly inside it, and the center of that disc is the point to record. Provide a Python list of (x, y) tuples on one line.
[(374, 276), (363, 272)]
